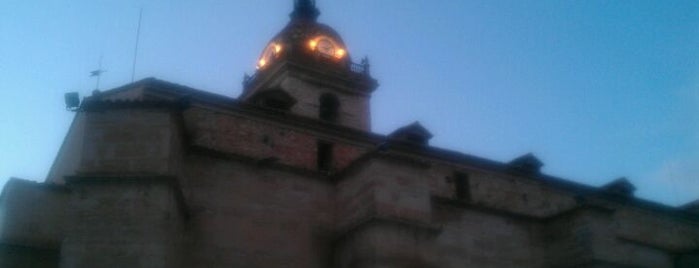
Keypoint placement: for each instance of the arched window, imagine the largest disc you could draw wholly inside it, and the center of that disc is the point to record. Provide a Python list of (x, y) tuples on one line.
[(329, 107)]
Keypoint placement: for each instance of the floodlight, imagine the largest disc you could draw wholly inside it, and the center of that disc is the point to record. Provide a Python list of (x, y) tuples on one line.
[(72, 100)]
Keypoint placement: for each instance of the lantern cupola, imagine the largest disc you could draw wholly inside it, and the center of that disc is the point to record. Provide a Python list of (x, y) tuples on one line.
[(305, 9)]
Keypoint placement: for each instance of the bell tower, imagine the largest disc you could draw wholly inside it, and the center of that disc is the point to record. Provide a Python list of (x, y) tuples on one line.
[(307, 70)]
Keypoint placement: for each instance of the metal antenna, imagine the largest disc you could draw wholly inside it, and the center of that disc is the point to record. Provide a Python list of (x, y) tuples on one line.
[(673, 183), (135, 51)]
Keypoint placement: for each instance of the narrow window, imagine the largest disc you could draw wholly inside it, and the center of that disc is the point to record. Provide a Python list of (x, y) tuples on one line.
[(325, 156), (461, 185), (329, 107), (275, 99), (275, 104)]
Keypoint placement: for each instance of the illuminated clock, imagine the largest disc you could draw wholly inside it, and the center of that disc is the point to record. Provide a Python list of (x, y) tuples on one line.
[(328, 47), (270, 54)]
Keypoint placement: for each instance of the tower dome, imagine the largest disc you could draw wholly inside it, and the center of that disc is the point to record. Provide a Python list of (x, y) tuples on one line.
[(303, 36)]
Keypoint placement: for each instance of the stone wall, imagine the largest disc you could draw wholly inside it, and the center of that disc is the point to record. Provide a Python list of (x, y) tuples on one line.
[(642, 227), (256, 216), (258, 139), (69, 156), (22, 257), (245, 191), (32, 224), (355, 200), (384, 215), (131, 141), (383, 188), (687, 260), (124, 222), (383, 243), (471, 238), (517, 195), (509, 221), (33, 214), (354, 108)]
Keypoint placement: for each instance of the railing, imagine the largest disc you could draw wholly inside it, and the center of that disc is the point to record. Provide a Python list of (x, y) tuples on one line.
[(248, 79), (361, 68), (357, 68)]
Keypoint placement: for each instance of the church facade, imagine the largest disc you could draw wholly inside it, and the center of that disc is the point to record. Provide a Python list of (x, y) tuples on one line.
[(289, 174)]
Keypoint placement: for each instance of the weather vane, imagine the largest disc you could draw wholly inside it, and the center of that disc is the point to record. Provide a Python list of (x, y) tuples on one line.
[(98, 73)]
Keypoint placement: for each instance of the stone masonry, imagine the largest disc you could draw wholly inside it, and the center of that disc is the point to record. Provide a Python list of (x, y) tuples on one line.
[(155, 174)]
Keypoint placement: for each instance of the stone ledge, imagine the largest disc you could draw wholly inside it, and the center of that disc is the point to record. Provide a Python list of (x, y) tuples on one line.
[(506, 213), (267, 163), (375, 220)]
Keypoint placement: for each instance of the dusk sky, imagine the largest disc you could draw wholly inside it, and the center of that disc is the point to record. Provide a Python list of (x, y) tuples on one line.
[(596, 89)]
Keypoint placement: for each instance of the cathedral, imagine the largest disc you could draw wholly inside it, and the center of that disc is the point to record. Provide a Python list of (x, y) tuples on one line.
[(289, 174)]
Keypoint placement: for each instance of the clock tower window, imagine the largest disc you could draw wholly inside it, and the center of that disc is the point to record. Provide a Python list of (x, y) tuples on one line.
[(329, 107)]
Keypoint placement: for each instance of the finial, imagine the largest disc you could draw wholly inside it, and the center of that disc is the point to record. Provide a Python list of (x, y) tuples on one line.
[(366, 65), (305, 9)]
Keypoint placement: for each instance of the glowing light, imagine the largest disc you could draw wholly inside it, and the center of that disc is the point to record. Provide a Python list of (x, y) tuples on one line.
[(277, 48), (261, 63), (327, 46), (340, 53)]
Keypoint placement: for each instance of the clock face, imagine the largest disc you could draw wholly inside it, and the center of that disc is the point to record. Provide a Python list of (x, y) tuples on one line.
[(326, 47), (270, 53)]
